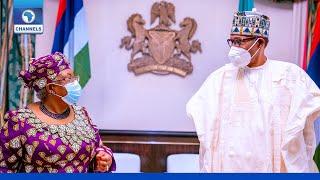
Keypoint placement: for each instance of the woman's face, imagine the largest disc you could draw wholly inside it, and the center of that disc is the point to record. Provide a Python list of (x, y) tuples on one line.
[(64, 77)]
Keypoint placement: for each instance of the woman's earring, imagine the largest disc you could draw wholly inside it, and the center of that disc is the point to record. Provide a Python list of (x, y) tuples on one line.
[(51, 92)]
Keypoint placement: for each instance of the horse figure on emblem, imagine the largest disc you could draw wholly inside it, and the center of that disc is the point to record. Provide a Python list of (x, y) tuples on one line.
[(189, 27), (136, 26)]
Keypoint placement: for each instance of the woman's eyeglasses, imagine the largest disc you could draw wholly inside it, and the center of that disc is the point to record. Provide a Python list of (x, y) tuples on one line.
[(68, 80)]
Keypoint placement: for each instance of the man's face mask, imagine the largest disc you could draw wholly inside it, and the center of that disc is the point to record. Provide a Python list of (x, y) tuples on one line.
[(241, 57)]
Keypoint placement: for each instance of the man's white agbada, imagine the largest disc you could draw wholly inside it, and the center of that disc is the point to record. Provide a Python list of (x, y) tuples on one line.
[(256, 119)]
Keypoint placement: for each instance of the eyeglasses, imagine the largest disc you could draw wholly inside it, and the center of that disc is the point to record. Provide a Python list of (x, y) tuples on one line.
[(238, 42), (68, 80)]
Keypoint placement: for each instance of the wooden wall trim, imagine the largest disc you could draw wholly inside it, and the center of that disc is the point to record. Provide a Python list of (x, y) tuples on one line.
[(153, 147), (149, 133)]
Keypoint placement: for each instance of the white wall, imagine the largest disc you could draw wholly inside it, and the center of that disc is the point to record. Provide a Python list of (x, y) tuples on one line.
[(117, 99)]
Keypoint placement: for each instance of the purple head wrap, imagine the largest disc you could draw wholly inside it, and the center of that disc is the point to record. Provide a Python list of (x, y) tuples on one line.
[(44, 70)]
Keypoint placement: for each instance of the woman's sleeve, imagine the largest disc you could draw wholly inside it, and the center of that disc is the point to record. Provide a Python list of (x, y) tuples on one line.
[(100, 146), (10, 143)]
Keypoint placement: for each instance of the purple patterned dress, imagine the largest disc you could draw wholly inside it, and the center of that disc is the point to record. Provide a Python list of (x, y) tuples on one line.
[(30, 145)]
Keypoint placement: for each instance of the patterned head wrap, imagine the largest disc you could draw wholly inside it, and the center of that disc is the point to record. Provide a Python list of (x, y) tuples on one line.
[(44, 70)]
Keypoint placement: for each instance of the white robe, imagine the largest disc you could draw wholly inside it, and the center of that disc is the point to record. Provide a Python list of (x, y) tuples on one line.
[(256, 119)]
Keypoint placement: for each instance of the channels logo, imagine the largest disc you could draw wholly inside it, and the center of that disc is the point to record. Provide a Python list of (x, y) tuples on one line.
[(28, 20)]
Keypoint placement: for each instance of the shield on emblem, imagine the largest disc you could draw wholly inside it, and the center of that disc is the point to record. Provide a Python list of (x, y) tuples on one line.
[(161, 45)]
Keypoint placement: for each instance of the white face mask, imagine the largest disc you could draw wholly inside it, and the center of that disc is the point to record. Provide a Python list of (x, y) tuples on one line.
[(240, 57)]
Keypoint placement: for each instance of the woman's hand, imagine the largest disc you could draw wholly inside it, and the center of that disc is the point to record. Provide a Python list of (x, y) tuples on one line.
[(104, 161)]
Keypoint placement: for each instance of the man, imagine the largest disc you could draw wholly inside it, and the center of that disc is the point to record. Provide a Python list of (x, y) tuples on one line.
[(255, 114)]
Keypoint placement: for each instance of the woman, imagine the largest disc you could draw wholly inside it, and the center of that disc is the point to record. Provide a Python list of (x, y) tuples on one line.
[(53, 135)]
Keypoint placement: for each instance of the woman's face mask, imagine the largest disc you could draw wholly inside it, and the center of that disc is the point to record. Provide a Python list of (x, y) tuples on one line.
[(241, 57), (73, 92)]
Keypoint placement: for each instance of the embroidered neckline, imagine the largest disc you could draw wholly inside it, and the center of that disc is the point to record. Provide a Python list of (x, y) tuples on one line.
[(72, 134)]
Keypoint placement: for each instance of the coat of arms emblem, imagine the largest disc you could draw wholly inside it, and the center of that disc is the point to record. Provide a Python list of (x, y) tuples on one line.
[(161, 50)]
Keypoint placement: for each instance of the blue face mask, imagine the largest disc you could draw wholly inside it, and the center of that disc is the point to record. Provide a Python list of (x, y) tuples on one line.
[(73, 93)]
